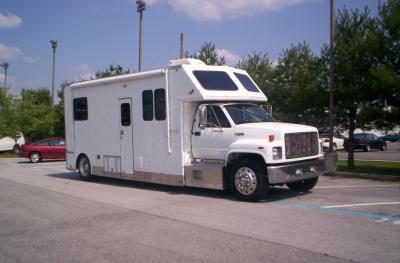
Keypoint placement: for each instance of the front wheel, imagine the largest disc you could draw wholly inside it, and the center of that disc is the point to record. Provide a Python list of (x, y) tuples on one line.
[(248, 180), (384, 147), (84, 168), (303, 185), (35, 157)]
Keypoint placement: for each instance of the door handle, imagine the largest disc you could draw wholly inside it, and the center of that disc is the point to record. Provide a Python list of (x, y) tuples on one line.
[(121, 132), (197, 133)]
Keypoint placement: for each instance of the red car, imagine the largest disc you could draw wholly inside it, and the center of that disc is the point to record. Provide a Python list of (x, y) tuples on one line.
[(50, 148)]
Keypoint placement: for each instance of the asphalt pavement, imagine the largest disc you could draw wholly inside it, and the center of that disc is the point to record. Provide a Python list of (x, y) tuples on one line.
[(392, 154), (48, 214)]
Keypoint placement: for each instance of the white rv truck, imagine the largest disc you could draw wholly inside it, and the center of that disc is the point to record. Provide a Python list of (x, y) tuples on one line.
[(188, 124)]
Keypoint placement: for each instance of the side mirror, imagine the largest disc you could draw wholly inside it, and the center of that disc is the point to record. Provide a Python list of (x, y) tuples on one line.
[(202, 117)]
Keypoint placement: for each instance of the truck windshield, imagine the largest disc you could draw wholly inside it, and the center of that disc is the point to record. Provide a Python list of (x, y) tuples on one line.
[(247, 113)]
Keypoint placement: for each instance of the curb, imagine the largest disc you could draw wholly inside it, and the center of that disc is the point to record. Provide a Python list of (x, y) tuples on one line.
[(378, 177)]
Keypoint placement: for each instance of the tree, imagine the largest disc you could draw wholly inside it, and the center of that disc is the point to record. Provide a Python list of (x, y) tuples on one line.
[(111, 71), (208, 54), (8, 114), (296, 85), (361, 92), (35, 118)]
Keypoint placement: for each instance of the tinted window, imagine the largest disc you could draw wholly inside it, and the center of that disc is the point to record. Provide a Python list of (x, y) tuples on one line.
[(125, 114), (43, 143), (215, 80), (147, 100), (247, 113), (216, 117), (247, 82), (159, 104), (80, 109), (57, 142)]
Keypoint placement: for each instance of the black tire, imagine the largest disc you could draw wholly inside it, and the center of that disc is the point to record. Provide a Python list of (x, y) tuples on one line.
[(16, 149), (304, 185), (367, 148), (248, 180), (384, 147), (35, 157), (84, 168)]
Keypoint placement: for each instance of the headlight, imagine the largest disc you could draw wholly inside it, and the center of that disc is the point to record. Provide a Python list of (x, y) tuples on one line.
[(277, 153)]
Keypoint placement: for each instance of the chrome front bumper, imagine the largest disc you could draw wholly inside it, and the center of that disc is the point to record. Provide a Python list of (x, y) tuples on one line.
[(295, 172)]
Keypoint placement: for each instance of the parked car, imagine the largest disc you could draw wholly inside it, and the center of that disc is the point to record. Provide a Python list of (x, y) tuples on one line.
[(8, 144), (50, 148), (393, 137), (366, 142), (338, 141)]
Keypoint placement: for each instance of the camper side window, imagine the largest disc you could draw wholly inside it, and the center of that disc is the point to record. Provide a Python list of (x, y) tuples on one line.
[(159, 104), (80, 109), (147, 101)]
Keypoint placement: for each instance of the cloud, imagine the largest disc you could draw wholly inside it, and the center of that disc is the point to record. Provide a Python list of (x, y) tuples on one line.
[(217, 10), (230, 58), (81, 71), (9, 20), (9, 53), (29, 60)]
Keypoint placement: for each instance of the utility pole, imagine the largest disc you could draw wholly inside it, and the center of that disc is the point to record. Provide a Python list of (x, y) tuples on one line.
[(331, 156), (331, 83), (5, 65), (141, 6), (54, 44), (181, 54)]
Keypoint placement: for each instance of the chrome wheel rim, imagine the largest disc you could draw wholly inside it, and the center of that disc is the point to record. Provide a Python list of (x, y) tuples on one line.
[(245, 181), (84, 167), (35, 157)]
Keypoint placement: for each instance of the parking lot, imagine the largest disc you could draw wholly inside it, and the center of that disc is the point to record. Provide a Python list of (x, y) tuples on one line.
[(48, 214), (391, 155)]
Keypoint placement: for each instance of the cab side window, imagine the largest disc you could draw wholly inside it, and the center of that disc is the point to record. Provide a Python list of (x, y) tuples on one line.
[(216, 117)]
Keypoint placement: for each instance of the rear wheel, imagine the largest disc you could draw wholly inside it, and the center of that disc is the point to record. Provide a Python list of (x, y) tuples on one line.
[(303, 185), (84, 168), (248, 180), (35, 157)]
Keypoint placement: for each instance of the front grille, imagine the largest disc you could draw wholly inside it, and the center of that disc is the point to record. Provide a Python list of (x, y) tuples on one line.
[(301, 144)]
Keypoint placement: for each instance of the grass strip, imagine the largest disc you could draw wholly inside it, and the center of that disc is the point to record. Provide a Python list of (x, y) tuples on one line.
[(371, 167), (8, 155)]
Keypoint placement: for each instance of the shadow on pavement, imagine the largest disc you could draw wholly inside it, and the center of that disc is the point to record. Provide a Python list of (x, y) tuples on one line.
[(274, 194), (43, 161)]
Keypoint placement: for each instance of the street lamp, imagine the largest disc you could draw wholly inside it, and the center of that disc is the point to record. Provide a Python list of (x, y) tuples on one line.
[(5, 65), (54, 44), (331, 156), (141, 6)]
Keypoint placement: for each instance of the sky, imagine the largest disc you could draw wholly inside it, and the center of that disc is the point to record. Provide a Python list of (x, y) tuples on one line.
[(93, 34)]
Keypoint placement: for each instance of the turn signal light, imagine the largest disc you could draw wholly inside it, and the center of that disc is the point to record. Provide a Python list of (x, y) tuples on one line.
[(271, 138)]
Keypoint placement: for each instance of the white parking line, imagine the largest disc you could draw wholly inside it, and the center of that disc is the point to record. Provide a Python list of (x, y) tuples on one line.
[(356, 186), (364, 204)]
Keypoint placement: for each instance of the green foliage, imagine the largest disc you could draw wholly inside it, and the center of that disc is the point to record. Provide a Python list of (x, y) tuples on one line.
[(208, 54), (111, 71), (35, 118), (8, 125)]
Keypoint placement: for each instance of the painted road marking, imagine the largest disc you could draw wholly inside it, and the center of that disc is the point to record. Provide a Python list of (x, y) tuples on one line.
[(356, 186), (389, 161), (382, 220), (362, 204), (395, 219)]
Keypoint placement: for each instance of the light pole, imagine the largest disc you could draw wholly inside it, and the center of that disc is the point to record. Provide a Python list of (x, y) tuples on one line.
[(141, 6), (331, 156), (54, 44), (5, 65)]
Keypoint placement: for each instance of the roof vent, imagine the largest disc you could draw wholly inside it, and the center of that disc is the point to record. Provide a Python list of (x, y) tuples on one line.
[(186, 61)]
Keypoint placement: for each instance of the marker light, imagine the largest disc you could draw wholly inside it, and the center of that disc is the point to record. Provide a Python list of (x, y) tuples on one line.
[(271, 138)]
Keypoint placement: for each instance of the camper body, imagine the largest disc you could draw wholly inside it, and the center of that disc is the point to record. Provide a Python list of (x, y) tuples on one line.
[(187, 125)]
